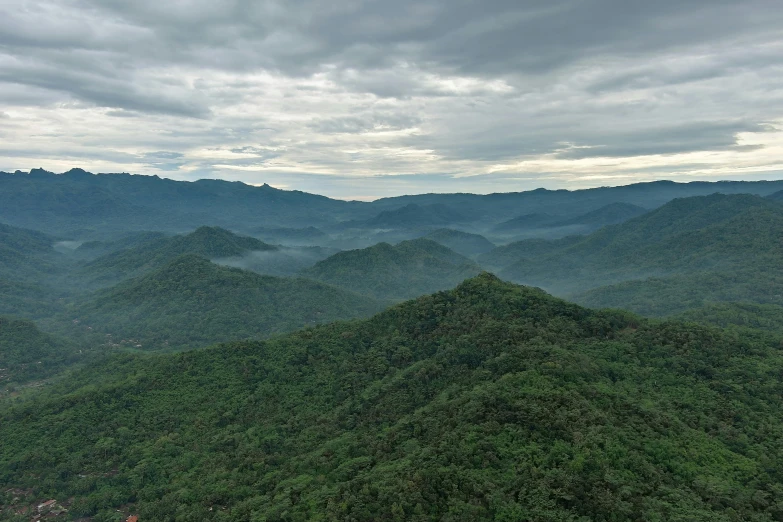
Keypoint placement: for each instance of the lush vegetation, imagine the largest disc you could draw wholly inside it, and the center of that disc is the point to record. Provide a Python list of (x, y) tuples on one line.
[(26, 353), (488, 402), (714, 233), (208, 242), (25, 254), (503, 256), (663, 296), (405, 270), (97, 248), (192, 302), (747, 316)]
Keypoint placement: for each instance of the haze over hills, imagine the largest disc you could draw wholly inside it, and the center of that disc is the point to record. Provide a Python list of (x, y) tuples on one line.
[(192, 302), (25, 253), (685, 235), (413, 216), (461, 242), (607, 215), (487, 402), (444, 407), (405, 270), (83, 206), (208, 242)]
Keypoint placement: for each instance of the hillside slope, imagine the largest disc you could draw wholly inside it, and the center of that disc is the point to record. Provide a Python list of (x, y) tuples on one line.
[(27, 353), (463, 243), (191, 302), (487, 402), (405, 270), (684, 236), (208, 242), (607, 215)]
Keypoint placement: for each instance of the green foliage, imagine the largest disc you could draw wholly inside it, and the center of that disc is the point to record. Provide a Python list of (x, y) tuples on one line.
[(25, 254), (208, 242), (664, 296), (487, 402), (26, 353), (739, 315), (506, 255), (712, 233), (96, 248), (383, 271), (191, 303)]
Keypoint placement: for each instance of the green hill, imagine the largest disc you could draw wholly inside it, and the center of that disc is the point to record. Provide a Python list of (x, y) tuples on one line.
[(25, 254), (97, 248), (191, 302), (746, 316), (26, 353), (527, 249), (487, 402), (525, 222), (607, 215), (463, 243), (208, 242), (664, 296), (690, 235), (406, 270), (777, 196)]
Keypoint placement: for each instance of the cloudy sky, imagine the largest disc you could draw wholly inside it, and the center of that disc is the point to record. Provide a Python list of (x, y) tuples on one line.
[(362, 99)]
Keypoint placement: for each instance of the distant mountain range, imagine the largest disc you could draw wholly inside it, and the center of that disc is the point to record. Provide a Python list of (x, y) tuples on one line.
[(80, 206)]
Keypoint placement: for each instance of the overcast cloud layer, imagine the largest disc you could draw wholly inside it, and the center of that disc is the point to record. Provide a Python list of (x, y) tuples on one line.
[(361, 99)]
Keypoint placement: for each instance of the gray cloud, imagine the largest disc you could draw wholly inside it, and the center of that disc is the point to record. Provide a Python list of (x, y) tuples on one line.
[(698, 136), (448, 93)]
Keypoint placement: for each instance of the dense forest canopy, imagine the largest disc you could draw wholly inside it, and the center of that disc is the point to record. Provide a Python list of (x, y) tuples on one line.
[(487, 402), (474, 399)]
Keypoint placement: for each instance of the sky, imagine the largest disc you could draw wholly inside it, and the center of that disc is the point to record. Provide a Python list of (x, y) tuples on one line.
[(365, 99)]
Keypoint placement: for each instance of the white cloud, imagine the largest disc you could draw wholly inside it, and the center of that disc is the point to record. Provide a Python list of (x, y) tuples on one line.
[(359, 99)]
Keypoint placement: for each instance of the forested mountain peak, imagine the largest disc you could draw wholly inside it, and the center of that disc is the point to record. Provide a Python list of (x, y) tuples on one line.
[(208, 242), (192, 302), (405, 270), (485, 402), (464, 243), (27, 353)]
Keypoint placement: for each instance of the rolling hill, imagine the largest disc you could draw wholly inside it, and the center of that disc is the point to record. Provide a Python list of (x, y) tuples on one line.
[(610, 214), (506, 255), (405, 270), (487, 402), (26, 254), (463, 243), (191, 302), (208, 242), (27, 353), (716, 232), (525, 222)]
